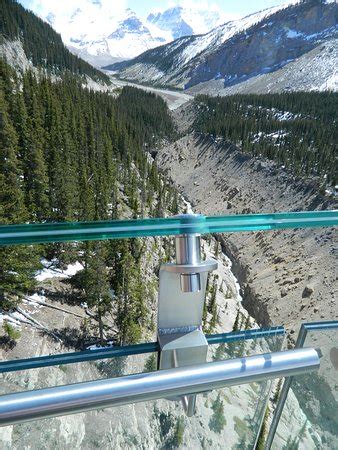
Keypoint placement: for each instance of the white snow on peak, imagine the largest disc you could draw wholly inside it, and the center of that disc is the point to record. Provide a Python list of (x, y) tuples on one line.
[(104, 31), (179, 20)]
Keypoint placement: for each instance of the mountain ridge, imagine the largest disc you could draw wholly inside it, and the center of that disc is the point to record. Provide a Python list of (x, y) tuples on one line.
[(313, 71), (237, 51)]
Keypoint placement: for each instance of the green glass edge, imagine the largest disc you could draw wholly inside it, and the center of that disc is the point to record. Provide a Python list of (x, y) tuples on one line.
[(118, 229), (37, 362)]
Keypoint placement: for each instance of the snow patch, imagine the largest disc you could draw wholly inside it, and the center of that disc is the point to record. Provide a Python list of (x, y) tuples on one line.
[(50, 271), (12, 319), (32, 300), (292, 34), (110, 344)]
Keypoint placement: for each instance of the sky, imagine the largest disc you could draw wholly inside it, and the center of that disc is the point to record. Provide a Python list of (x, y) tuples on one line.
[(234, 8)]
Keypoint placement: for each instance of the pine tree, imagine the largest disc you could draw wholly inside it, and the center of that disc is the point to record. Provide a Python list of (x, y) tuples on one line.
[(217, 421), (96, 283), (31, 138), (301, 139), (68, 153)]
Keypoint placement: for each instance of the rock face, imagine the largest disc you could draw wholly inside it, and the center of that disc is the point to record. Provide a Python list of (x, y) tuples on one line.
[(237, 51), (275, 268), (14, 54), (268, 45), (313, 71)]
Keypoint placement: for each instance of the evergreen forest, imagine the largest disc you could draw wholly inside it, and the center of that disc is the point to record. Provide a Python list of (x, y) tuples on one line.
[(297, 130), (71, 154)]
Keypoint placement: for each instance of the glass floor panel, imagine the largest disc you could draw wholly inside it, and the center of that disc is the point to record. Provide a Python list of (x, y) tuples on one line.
[(226, 418)]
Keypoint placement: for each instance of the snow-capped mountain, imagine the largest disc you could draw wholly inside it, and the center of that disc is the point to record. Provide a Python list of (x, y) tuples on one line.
[(101, 35), (232, 53), (186, 21), (129, 37)]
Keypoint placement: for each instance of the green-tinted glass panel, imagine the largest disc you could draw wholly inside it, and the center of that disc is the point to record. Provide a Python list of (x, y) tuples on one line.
[(268, 336), (226, 418), (309, 419), (61, 232)]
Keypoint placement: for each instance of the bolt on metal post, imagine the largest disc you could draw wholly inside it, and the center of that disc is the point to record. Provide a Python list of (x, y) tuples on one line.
[(188, 252)]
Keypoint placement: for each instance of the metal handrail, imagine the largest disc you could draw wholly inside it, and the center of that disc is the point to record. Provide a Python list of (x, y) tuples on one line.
[(75, 398)]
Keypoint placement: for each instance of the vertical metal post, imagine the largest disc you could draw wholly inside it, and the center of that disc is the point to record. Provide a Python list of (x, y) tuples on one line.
[(188, 251), (284, 394)]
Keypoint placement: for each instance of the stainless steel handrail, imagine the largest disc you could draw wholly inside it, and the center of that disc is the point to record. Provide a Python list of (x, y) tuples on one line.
[(74, 398)]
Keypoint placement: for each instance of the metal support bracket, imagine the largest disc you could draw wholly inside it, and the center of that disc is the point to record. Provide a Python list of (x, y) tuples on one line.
[(180, 309)]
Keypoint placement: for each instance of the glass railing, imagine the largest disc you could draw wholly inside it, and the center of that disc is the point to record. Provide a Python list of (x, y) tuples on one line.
[(117, 229), (230, 415), (307, 415)]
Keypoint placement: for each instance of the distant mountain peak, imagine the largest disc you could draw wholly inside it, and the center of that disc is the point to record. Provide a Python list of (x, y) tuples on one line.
[(131, 24), (172, 20), (50, 18), (75, 14), (186, 21), (101, 36)]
